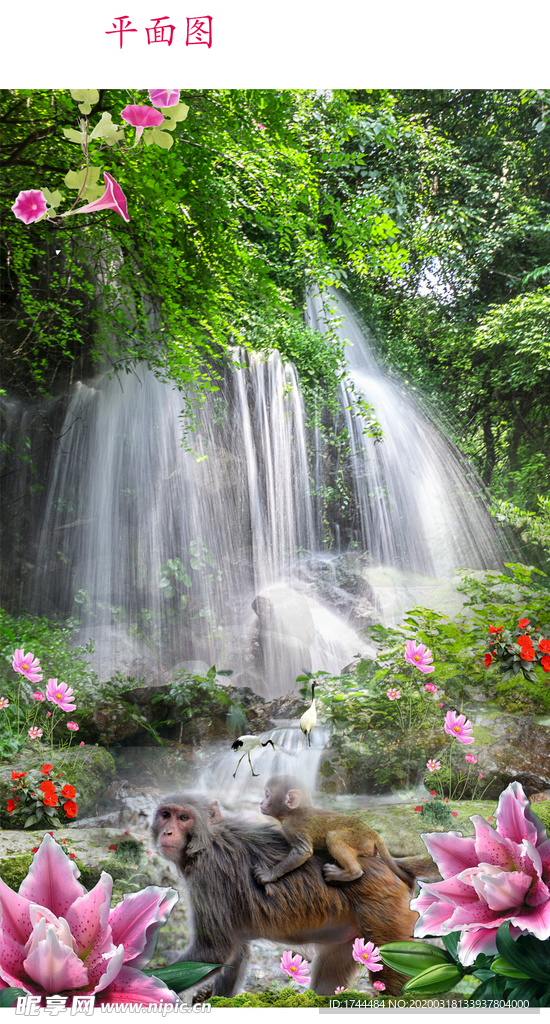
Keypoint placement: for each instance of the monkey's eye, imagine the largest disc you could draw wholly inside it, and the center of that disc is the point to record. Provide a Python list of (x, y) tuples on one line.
[(184, 817), (165, 814)]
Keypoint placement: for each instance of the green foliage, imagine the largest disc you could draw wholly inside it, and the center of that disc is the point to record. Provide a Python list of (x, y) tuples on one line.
[(14, 869), (437, 813), (196, 696)]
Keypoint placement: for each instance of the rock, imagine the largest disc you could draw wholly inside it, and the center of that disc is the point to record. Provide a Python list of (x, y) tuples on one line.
[(282, 610)]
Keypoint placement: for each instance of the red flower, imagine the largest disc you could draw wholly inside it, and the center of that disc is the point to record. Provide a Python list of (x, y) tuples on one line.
[(523, 623), (34, 849), (432, 792), (495, 629), (488, 660), (113, 847), (47, 786), (73, 855), (18, 775), (418, 808), (46, 768), (50, 800), (544, 645), (455, 815), (71, 809), (545, 662), (11, 805), (68, 791)]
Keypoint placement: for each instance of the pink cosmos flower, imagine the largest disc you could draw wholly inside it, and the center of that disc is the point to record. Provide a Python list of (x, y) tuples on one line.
[(431, 688), (470, 758), (4, 702), (393, 694), (72, 726), (60, 694), (39, 695), (458, 727), (82, 744), (112, 199), (35, 733), (419, 655), (338, 990), (164, 97), (141, 117), (27, 666), (30, 205), (367, 954), (295, 967), (494, 876), (57, 937), (379, 986), (433, 766)]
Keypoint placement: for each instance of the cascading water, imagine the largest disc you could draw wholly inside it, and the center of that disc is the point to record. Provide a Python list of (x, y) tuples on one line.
[(171, 557)]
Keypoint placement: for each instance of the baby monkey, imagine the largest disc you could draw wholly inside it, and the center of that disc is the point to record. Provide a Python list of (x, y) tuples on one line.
[(307, 828)]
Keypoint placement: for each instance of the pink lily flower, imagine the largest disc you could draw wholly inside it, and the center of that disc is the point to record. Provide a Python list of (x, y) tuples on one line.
[(30, 205), (458, 727), (367, 954), (141, 117), (492, 877), (164, 97), (57, 937), (27, 666), (419, 655), (296, 967), (112, 199), (60, 694)]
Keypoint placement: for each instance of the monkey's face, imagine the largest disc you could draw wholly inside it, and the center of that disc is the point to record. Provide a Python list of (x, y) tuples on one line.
[(272, 802), (171, 829)]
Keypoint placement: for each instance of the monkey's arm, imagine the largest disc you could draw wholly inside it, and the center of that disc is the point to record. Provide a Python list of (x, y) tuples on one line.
[(300, 852)]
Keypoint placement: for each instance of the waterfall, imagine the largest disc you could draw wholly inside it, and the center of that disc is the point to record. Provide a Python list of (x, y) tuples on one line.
[(213, 554), (422, 507)]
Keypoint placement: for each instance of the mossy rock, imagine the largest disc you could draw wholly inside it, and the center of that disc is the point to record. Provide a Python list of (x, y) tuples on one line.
[(542, 810), (88, 769), (14, 869)]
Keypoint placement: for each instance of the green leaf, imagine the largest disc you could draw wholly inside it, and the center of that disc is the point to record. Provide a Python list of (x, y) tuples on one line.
[(8, 996), (451, 943), (53, 199), (105, 129), (177, 113), (86, 99), (531, 957), (411, 958), (181, 976), (154, 135), (439, 978), (73, 136), (91, 190)]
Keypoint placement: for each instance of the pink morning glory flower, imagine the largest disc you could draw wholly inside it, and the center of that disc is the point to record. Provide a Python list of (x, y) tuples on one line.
[(57, 937), (470, 758), (419, 655), (393, 694), (39, 695), (72, 726), (141, 117), (35, 733), (112, 199), (459, 727), (433, 766), (4, 702), (30, 205), (164, 97), (296, 967), (495, 876), (60, 694), (367, 954), (27, 666)]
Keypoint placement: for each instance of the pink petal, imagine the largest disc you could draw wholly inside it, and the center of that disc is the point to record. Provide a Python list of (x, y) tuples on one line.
[(503, 891), (451, 852), (136, 920), (479, 940), (51, 880), (535, 919), (538, 894), (512, 820), (490, 847), (132, 986), (55, 966), (434, 915), (12, 954), (15, 919), (88, 916)]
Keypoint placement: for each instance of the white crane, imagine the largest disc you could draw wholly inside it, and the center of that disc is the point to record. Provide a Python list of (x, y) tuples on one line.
[(246, 744), (309, 718)]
